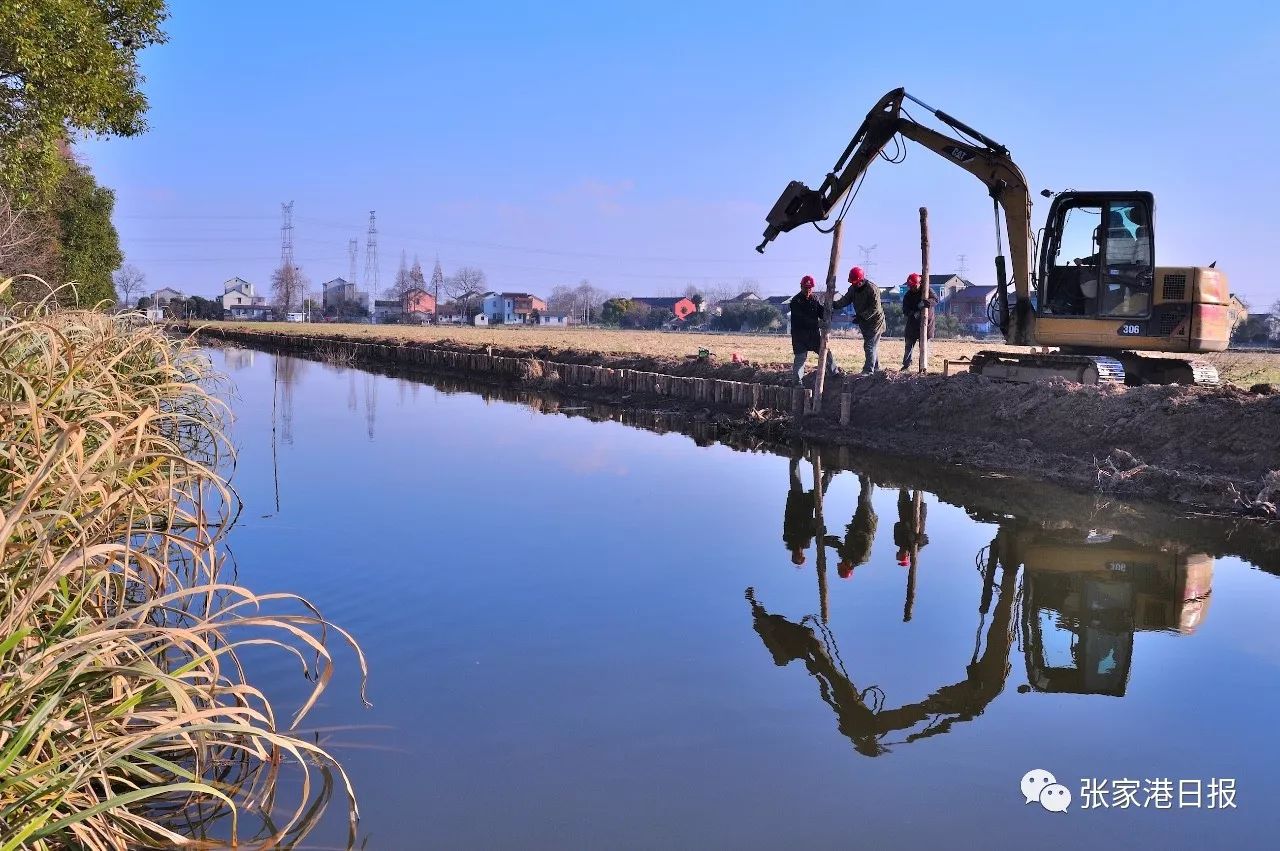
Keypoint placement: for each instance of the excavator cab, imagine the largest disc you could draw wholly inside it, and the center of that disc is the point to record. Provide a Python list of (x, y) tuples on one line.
[(1100, 292), (1097, 258)]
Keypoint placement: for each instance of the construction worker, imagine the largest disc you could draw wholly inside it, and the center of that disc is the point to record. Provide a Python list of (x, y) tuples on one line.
[(799, 519), (868, 313), (806, 329), (855, 549), (918, 298)]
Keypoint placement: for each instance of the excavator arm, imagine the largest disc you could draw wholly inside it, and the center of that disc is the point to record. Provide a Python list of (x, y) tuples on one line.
[(985, 159)]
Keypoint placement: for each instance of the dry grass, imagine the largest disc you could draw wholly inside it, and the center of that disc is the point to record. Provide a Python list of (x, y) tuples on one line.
[(1238, 367), (125, 717)]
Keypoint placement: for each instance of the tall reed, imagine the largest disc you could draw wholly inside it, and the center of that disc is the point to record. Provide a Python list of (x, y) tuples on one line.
[(126, 719)]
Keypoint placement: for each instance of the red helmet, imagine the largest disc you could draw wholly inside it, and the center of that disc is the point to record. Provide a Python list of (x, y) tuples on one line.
[(913, 280), (806, 283), (856, 275)]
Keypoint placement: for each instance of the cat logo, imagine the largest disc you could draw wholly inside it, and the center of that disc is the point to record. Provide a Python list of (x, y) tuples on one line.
[(960, 155)]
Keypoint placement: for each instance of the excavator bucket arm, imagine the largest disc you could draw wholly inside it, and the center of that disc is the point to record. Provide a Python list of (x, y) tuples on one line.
[(985, 159)]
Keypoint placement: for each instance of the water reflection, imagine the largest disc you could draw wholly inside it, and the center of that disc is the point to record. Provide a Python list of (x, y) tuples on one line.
[(1083, 596), (907, 601), (861, 713), (1086, 594)]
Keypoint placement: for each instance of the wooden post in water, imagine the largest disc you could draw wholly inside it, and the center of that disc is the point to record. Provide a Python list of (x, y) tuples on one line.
[(820, 528), (916, 532), (820, 380), (924, 282)]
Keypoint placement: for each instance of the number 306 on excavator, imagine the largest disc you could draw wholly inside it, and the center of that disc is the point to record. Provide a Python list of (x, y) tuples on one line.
[(1093, 293)]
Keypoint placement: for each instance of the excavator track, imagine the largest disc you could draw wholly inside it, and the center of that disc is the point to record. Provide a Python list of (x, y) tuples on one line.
[(1145, 369), (1020, 367)]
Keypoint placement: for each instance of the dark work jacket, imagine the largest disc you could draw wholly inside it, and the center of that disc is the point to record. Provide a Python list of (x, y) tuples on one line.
[(806, 323), (859, 534), (866, 308), (911, 305), (799, 522)]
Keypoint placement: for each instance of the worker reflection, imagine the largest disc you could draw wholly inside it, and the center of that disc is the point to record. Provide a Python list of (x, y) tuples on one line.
[(908, 533), (855, 549), (799, 521), (860, 713)]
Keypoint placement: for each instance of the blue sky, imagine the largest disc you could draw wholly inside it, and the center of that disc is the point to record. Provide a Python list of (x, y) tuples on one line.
[(639, 145)]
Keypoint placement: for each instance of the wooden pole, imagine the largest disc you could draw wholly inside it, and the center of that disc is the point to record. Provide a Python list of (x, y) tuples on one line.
[(820, 381), (821, 529), (924, 283), (915, 557)]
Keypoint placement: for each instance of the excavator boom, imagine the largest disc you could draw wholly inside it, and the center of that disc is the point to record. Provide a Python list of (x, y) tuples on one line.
[(982, 157)]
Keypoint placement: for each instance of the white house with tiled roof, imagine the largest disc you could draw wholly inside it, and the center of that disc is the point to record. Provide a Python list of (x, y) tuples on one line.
[(240, 301)]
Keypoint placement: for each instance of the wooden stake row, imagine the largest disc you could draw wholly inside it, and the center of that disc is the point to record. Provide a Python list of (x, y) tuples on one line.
[(716, 392)]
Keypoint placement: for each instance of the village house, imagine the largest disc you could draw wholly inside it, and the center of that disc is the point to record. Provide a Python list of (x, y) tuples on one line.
[(943, 287), (419, 304), (1237, 311), (553, 319), (161, 298), (387, 311), (340, 291), (240, 302), (970, 306), (512, 308), (416, 306)]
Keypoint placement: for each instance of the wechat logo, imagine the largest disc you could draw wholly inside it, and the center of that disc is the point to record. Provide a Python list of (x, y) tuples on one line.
[(1040, 786)]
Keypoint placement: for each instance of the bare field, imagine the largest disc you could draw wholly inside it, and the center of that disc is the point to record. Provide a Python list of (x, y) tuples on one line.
[(1243, 368)]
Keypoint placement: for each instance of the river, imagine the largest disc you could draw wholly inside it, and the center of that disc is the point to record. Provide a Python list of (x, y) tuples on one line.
[(584, 634)]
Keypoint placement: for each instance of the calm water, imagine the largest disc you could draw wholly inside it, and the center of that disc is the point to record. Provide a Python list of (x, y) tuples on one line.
[(583, 634)]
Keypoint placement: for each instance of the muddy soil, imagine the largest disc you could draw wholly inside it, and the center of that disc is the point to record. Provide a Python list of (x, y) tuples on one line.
[(1191, 445)]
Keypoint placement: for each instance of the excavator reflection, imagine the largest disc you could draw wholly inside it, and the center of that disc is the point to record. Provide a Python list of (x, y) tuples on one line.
[(1082, 597), (1084, 600)]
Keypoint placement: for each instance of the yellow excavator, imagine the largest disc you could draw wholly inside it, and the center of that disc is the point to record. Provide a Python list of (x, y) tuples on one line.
[(1096, 297)]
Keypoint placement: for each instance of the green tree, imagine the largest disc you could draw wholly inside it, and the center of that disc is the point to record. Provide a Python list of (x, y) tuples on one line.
[(946, 326), (614, 309), (68, 66), (747, 316), (895, 323), (89, 248)]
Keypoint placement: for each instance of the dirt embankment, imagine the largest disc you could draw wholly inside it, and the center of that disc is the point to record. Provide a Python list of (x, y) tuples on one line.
[(1211, 449), (1192, 445)]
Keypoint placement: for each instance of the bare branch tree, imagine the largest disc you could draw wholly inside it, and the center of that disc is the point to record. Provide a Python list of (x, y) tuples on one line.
[(130, 283), (437, 281), (402, 283), (25, 248), (590, 301), (465, 286), (562, 299), (288, 285), (417, 281)]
